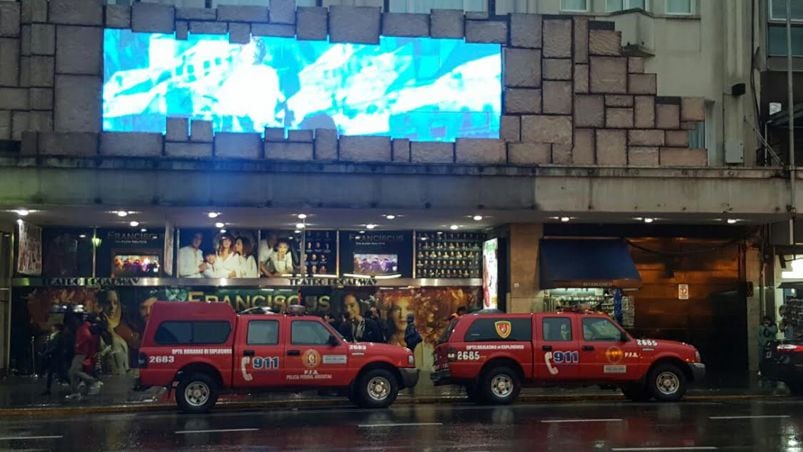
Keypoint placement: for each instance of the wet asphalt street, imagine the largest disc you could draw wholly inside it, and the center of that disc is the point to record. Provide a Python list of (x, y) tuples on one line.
[(772, 424)]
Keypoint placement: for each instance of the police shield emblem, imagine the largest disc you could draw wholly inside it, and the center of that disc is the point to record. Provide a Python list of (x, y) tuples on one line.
[(503, 328)]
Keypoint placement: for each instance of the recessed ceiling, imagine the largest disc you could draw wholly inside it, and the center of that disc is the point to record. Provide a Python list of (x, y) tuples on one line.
[(356, 219)]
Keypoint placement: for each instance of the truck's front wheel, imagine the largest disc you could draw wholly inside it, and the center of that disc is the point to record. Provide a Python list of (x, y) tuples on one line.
[(667, 383), (196, 393), (500, 385), (377, 388)]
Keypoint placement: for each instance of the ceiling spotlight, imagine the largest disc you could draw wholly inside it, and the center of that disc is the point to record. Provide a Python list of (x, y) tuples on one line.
[(82, 236), (649, 220), (297, 231), (565, 219), (370, 226), (302, 216), (23, 212), (213, 215), (219, 225), (477, 218), (454, 227), (301, 226), (390, 217), (222, 231), (362, 232), (134, 224), (732, 221), (143, 230), (122, 213)]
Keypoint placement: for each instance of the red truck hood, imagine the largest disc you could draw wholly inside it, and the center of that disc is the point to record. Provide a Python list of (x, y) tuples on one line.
[(663, 345), (376, 347)]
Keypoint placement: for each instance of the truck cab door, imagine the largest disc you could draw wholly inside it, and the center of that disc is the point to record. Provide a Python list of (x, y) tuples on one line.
[(557, 351), (315, 356), (258, 353), (602, 353)]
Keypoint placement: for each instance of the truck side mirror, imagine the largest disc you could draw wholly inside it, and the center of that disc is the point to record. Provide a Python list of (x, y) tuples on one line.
[(333, 340), (623, 337)]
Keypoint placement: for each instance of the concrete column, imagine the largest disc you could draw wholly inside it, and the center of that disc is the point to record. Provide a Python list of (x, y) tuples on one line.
[(523, 284), (753, 267)]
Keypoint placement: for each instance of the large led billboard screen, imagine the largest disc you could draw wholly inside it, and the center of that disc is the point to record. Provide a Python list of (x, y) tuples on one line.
[(423, 89)]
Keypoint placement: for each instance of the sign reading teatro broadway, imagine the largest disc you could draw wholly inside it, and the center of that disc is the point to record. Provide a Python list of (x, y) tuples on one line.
[(333, 282)]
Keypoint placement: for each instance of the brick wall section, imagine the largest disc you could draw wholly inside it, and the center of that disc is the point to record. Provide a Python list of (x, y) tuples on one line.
[(571, 96)]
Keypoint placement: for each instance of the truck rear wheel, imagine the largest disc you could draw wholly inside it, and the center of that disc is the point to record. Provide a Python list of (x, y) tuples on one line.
[(636, 392), (667, 382), (196, 393), (499, 385), (377, 388)]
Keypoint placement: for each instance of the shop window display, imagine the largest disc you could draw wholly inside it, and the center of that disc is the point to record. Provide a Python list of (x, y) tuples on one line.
[(595, 299), (449, 254)]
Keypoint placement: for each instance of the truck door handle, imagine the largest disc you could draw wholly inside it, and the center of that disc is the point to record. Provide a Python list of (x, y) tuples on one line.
[(588, 348), (248, 353), (293, 352), (547, 348)]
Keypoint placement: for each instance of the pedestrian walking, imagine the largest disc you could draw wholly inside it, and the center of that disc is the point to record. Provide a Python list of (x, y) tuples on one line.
[(53, 358), (767, 337), (787, 326), (83, 363)]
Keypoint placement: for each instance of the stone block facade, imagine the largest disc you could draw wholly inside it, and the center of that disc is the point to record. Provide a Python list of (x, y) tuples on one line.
[(571, 95)]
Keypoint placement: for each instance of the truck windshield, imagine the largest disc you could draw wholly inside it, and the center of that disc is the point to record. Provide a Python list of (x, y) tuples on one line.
[(447, 332)]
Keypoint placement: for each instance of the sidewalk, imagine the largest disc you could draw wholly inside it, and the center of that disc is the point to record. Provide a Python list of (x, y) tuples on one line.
[(23, 396)]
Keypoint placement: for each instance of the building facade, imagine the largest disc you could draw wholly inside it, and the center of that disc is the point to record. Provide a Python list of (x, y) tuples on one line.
[(635, 124)]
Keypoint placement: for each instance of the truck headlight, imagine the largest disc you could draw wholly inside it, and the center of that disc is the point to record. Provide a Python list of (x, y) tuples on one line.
[(411, 360)]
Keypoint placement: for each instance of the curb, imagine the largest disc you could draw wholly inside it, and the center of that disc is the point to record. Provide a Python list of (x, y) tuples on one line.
[(157, 407)]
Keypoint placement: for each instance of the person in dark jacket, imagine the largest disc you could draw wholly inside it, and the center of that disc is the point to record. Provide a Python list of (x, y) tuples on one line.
[(411, 336), (54, 357), (368, 330), (344, 327)]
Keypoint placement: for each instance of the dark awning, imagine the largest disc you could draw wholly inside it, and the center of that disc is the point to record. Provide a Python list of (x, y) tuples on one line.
[(574, 263), (791, 284)]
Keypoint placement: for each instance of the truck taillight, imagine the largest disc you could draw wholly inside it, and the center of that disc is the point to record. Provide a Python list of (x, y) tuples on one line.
[(142, 360), (790, 348)]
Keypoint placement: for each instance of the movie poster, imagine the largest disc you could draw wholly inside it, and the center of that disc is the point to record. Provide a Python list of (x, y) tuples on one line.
[(376, 253), (280, 253), (213, 253), (128, 253), (29, 249)]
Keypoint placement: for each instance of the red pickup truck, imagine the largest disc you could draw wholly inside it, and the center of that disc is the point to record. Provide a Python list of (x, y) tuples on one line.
[(206, 348), (494, 355)]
